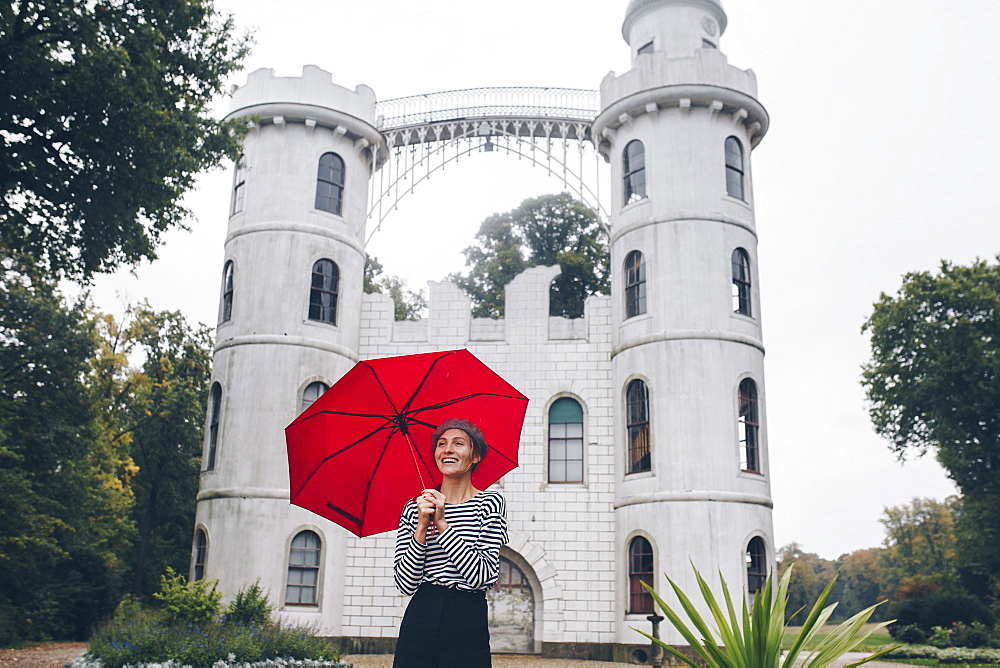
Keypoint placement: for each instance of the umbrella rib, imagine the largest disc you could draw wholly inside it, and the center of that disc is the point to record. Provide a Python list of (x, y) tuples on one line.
[(430, 370), (346, 447)]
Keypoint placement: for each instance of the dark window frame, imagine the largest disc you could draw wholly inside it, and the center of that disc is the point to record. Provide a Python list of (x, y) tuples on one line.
[(646, 48), (561, 439), (304, 570), (640, 570), (200, 553), (637, 427), (214, 415), (228, 272), (634, 172), (323, 291), (239, 186), (330, 177), (742, 284), (756, 556), (735, 172), (305, 402), (635, 284), (749, 426)]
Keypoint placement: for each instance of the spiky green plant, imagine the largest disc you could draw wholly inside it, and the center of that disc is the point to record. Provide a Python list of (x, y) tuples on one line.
[(753, 639)]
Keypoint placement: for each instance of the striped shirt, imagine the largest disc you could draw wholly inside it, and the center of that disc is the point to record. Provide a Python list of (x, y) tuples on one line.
[(466, 556)]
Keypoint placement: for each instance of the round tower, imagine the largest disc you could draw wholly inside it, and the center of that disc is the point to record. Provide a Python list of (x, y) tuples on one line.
[(288, 327), (692, 464)]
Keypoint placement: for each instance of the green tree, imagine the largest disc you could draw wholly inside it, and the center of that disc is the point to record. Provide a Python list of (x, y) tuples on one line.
[(64, 496), (163, 413), (859, 582), (105, 122), (933, 383), (920, 542), (541, 231), (408, 305), (810, 575)]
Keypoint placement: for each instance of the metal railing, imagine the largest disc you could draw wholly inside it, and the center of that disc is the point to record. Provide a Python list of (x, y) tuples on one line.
[(509, 102)]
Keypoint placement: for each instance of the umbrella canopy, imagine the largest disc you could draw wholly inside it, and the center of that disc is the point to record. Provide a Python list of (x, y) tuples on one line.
[(360, 451)]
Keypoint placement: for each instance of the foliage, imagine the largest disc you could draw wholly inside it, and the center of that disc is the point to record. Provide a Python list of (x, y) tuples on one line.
[(161, 410), (105, 122), (807, 578), (920, 542), (874, 642), (949, 655), (408, 305), (64, 497), (976, 634), (861, 581), (541, 231), (159, 636), (251, 605), (909, 633), (196, 602), (753, 637), (927, 609), (933, 383)]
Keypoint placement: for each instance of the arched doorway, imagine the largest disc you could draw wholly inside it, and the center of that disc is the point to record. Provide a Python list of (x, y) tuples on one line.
[(512, 611)]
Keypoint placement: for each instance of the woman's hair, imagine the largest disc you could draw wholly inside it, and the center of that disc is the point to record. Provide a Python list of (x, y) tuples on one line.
[(479, 446)]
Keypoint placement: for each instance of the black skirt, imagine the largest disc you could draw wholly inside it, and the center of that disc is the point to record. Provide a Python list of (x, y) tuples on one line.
[(444, 628)]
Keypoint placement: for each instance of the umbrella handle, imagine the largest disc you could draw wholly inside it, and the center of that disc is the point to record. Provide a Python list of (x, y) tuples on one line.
[(413, 453)]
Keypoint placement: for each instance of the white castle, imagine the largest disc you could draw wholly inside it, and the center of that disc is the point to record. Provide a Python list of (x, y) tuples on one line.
[(644, 449)]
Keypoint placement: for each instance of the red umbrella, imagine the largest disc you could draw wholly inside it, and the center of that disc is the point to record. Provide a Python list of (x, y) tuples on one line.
[(361, 450)]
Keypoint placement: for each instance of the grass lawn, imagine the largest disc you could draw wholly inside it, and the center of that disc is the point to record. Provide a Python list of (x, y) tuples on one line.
[(874, 642)]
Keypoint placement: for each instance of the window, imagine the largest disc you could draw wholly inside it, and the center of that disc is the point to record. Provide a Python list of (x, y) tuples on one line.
[(323, 294), (239, 185), (741, 282), (565, 441), (640, 569), (645, 48), (637, 416), (200, 552), (734, 168), (634, 169), (227, 292), (749, 425), (511, 578), (756, 564), (312, 392), (214, 404), (330, 183), (705, 44), (303, 570), (635, 285)]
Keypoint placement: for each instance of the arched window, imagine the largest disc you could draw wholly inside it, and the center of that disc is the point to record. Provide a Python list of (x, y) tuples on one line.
[(323, 294), (302, 587), (200, 554), (565, 441), (635, 284), (741, 282), (756, 564), (749, 425), (214, 406), (734, 168), (330, 183), (637, 417), (227, 292), (640, 569), (239, 185), (634, 170), (312, 392)]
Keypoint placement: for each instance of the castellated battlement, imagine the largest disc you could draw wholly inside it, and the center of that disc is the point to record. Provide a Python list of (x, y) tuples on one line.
[(450, 323), (314, 89)]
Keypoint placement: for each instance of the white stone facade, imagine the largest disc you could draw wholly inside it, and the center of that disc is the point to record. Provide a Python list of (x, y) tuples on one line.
[(694, 504)]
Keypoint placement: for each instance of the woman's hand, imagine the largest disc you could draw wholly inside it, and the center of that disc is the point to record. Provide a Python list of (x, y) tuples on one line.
[(430, 508)]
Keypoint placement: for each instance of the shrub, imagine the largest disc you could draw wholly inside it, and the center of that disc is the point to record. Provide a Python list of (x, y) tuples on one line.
[(251, 606), (940, 638), (188, 602), (976, 634), (908, 633), (940, 608)]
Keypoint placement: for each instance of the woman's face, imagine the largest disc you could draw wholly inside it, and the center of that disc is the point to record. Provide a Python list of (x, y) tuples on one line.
[(454, 453)]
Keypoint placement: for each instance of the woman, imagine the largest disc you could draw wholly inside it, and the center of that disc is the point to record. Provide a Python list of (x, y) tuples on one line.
[(447, 556)]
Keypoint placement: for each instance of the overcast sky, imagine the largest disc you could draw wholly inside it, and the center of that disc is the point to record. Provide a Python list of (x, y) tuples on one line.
[(882, 158)]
